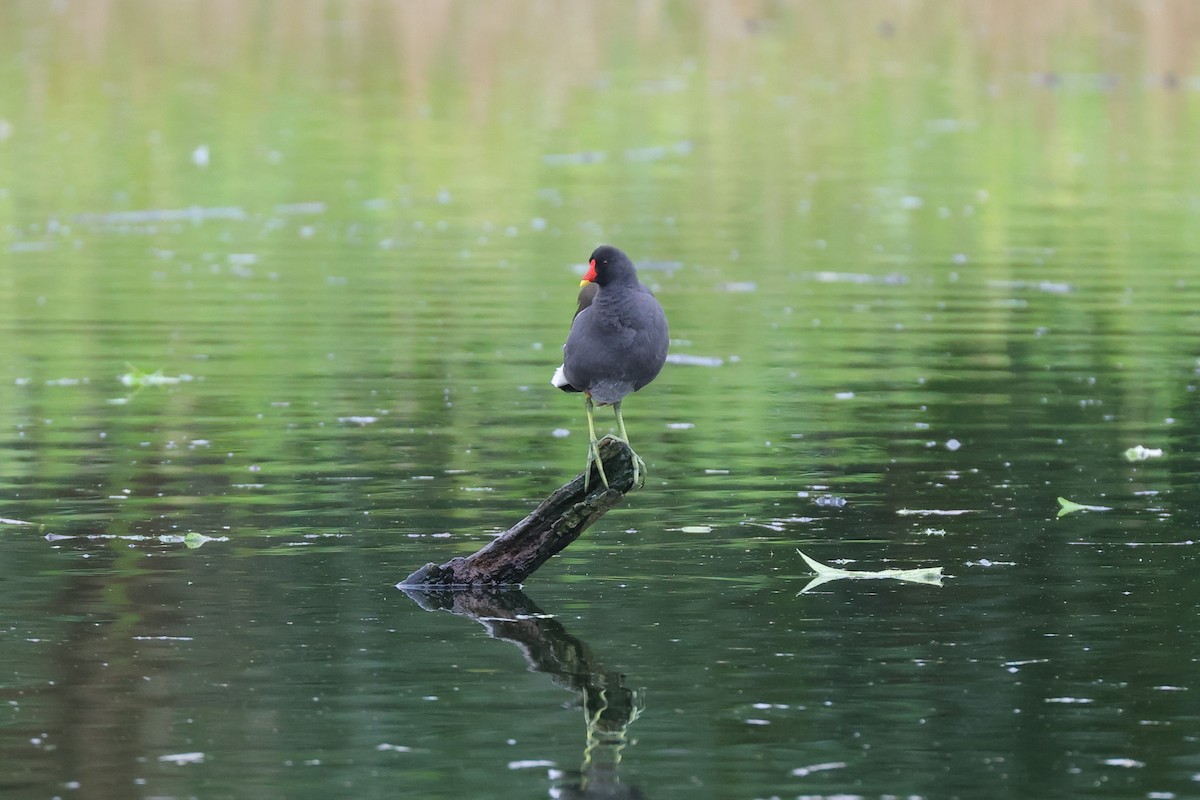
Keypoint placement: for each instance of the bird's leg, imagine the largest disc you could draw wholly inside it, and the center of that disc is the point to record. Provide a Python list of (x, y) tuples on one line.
[(593, 447), (639, 466)]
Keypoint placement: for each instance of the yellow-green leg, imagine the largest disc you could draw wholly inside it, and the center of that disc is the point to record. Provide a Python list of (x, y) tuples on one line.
[(639, 466), (593, 447)]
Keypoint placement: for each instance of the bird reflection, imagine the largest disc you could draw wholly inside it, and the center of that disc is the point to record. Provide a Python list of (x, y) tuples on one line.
[(609, 706)]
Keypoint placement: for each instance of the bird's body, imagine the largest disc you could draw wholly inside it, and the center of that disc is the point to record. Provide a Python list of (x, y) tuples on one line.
[(618, 340)]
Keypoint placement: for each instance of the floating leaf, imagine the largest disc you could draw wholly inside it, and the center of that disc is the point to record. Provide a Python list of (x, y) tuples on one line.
[(1070, 507), (190, 540), (139, 378), (193, 540), (825, 573), (1141, 453), (183, 758), (933, 512)]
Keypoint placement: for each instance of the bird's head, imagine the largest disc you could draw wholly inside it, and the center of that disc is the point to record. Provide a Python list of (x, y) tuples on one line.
[(608, 265)]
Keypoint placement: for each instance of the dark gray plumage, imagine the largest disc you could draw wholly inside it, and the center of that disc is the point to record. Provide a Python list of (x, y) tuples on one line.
[(617, 344)]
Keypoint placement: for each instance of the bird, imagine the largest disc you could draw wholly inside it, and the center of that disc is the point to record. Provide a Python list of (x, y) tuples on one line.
[(617, 344)]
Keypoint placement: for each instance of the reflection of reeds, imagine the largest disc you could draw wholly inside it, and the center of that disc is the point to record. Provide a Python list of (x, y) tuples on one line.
[(424, 90), (548, 44), (804, 137)]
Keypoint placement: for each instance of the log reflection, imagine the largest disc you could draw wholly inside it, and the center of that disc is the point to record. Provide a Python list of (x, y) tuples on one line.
[(609, 706)]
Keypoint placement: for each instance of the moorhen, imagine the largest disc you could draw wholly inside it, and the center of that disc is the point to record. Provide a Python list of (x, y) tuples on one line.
[(617, 344)]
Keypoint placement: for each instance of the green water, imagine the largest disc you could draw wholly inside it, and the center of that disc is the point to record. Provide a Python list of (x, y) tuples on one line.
[(928, 268)]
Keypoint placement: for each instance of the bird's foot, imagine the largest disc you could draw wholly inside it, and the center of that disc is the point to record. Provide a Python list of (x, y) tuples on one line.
[(594, 458), (639, 469), (639, 466)]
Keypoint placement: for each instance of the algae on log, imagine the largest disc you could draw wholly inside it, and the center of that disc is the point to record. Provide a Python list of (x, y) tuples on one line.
[(514, 555)]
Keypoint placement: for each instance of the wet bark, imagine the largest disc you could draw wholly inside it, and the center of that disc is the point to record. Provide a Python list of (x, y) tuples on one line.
[(515, 554)]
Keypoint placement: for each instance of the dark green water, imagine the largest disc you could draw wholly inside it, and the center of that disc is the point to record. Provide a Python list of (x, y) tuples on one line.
[(928, 268)]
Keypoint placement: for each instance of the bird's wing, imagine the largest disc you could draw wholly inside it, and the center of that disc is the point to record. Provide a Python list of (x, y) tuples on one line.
[(586, 295)]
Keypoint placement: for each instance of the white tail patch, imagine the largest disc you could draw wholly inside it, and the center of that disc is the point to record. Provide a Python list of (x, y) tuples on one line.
[(560, 378)]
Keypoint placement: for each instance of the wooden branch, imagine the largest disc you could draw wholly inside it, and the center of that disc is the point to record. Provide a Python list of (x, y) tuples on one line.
[(514, 555)]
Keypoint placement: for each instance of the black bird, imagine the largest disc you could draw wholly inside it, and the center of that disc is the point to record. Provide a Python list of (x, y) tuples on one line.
[(617, 344)]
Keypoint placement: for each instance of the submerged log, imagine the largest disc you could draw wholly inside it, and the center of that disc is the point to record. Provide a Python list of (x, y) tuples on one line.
[(514, 555)]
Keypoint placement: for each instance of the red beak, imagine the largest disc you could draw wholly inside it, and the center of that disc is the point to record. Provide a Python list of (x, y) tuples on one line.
[(590, 275)]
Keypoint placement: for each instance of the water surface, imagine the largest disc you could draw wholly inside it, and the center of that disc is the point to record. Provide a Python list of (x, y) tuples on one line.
[(928, 269)]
